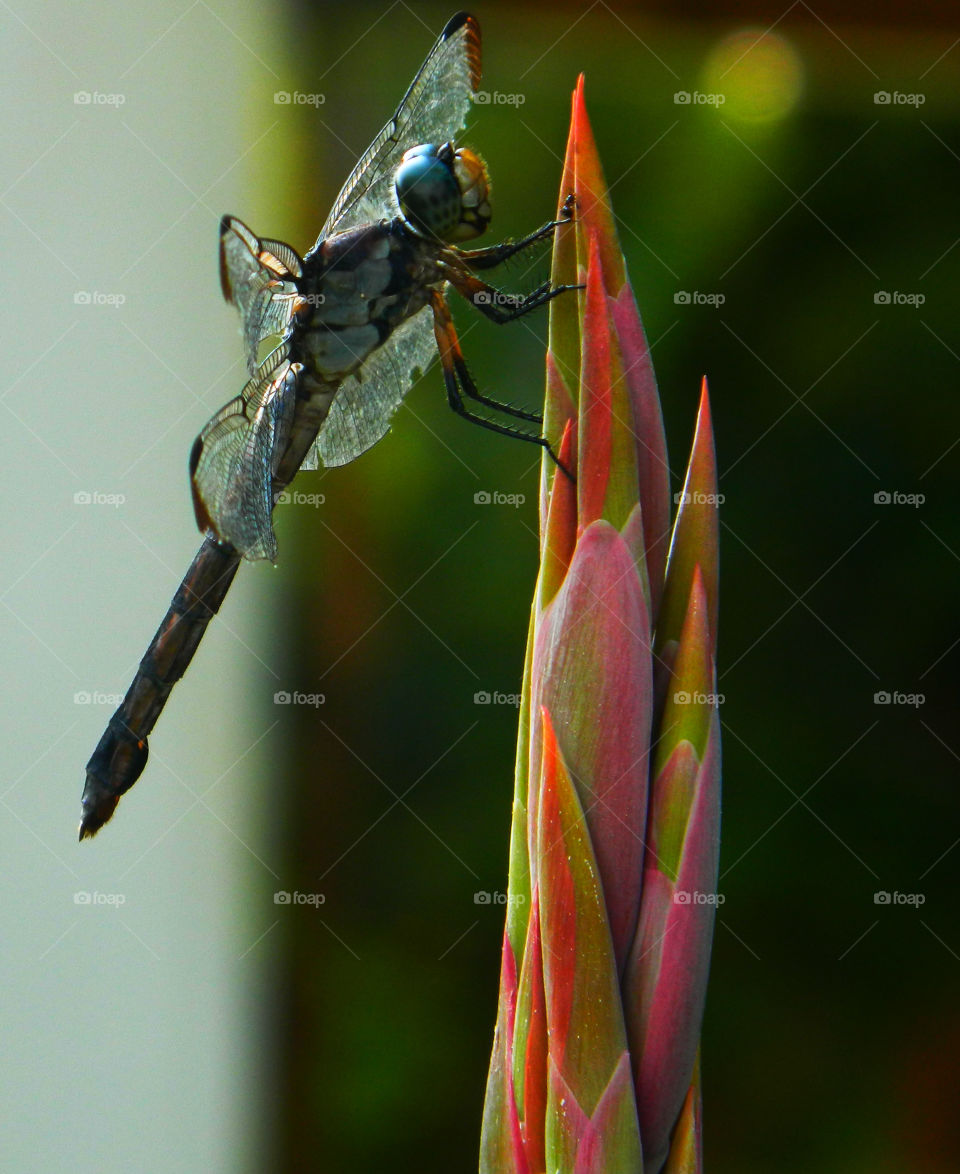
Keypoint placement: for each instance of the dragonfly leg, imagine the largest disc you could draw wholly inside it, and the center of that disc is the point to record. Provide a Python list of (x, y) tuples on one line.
[(493, 255), (496, 305), (459, 383), (469, 387)]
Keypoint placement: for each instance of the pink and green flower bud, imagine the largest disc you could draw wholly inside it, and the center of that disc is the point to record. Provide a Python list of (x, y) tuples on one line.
[(592, 669), (666, 982), (616, 800), (686, 1144), (695, 539)]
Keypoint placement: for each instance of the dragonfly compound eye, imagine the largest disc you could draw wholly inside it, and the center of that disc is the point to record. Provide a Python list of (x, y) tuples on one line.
[(443, 193)]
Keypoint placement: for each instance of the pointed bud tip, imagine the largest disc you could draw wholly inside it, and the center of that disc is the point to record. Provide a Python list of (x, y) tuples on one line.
[(704, 416)]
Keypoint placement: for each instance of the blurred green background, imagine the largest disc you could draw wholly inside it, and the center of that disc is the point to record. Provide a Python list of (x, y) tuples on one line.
[(831, 1025), (211, 1029)]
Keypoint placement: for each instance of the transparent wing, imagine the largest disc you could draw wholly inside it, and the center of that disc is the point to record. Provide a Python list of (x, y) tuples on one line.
[(236, 455), (259, 278), (432, 110), (362, 408)]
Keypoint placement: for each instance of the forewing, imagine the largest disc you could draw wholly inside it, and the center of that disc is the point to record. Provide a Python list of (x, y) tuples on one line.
[(362, 408), (259, 278), (432, 111), (236, 455)]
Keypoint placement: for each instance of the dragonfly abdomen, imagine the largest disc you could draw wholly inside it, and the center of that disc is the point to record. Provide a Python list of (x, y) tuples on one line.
[(121, 753)]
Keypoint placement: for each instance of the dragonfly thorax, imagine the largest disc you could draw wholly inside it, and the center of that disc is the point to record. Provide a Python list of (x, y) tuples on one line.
[(444, 192)]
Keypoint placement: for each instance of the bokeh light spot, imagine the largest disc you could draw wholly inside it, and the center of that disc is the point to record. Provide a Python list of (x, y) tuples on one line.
[(759, 74)]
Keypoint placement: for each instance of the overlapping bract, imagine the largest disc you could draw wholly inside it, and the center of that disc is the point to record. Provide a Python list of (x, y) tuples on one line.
[(613, 857)]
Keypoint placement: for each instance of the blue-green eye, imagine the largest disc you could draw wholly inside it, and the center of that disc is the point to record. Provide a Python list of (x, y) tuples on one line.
[(428, 193)]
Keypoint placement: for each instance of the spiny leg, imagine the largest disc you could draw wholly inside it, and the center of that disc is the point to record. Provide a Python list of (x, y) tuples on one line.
[(456, 377), (487, 299), (468, 386), (493, 255), (496, 305)]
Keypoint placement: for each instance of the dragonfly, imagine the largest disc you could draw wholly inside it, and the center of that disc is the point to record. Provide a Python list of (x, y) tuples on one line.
[(355, 321)]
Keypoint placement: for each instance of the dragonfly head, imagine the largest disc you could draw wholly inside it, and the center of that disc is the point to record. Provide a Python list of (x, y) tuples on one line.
[(444, 192)]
